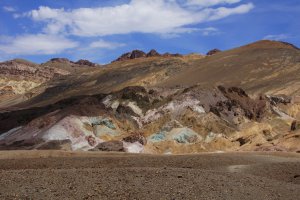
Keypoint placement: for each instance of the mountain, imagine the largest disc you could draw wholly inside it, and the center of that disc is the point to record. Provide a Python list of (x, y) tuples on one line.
[(244, 99), (19, 78)]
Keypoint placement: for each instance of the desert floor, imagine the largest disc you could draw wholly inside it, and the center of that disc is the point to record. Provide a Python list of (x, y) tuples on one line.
[(94, 175)]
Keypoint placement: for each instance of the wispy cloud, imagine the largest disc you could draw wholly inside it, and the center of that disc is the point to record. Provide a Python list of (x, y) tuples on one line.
[(35, 44), (101, 44), (9, 9), (210, 31), (277, 37), (208, 3)]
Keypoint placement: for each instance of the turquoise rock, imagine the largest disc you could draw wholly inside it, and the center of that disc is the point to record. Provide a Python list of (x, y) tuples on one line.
[(157, 137), (106, 122), (185, 135)]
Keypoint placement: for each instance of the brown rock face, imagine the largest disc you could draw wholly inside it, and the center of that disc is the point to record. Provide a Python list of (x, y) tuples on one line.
[(237, 98), (212, 52)]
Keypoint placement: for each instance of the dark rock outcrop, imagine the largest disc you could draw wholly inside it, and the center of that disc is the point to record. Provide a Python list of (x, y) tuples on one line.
[(136, 137), (140, 54), (213, 51), (295, 125), (166, 55), (237, 100), (274, 100), (137, 54), (60, 60), (131, 55), (109, 146)]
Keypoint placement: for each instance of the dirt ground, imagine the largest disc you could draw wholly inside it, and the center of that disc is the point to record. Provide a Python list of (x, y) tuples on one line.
[(94, 175)]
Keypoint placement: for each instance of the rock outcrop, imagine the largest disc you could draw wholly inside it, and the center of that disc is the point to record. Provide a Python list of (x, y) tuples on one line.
[(60, 60), (131, 55), (153, 53), (140, 54), (136, 137), (213, 51)]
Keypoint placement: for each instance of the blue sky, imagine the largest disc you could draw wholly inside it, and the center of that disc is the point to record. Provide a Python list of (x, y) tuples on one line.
[(101, 30)]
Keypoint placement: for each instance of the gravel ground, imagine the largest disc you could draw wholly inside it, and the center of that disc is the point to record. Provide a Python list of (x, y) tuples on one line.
[(89, 175)]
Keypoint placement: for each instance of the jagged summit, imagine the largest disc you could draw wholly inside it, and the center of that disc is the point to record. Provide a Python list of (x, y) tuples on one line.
[(86, 63), (140, 54)]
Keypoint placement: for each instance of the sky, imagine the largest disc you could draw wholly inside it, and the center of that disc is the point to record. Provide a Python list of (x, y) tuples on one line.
[(102, 30)]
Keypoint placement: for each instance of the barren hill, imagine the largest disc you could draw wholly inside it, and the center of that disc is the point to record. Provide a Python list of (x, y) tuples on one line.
[(262, 67)]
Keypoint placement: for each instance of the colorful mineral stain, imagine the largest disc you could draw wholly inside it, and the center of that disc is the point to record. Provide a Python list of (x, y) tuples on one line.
[(158, 137)]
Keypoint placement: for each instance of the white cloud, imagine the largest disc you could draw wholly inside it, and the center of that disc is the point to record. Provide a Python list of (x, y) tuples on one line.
[(9, 9), (35, 44), (209, 31), (209, 3), (143, 16), (101, 44), (223, 12), (276, 37)]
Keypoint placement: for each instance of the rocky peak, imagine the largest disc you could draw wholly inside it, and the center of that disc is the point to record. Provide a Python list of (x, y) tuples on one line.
[(137, 54), (85, 62), (213, 51), (153, 53), (131, 55), (140, 54)]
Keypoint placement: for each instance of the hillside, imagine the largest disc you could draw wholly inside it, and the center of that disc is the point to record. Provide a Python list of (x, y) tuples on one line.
[(262, 67)]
